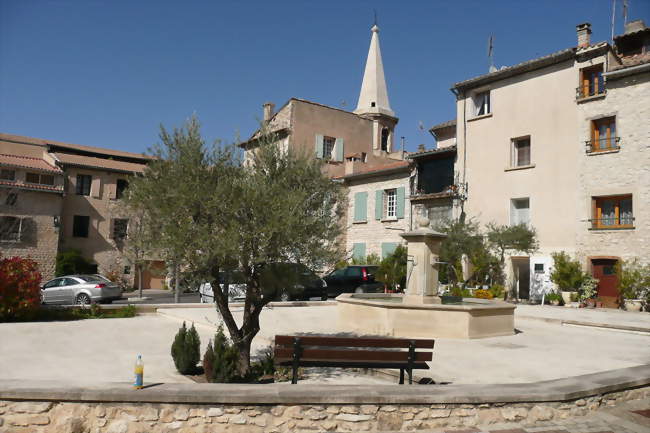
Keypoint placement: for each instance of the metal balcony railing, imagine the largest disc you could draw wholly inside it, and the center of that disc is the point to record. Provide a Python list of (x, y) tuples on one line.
[(603, 144), (586, 92), (620, 222)]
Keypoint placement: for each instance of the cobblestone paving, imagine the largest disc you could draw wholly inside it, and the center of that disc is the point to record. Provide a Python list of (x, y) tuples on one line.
[(629, 417)]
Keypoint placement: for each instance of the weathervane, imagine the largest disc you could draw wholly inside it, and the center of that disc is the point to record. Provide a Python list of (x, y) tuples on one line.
[(375, 11)]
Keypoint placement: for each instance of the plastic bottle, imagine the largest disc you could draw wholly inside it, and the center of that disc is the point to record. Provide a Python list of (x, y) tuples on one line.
[(139, 373)]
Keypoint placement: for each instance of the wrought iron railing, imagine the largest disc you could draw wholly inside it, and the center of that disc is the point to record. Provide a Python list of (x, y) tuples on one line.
[(620, 222), (586, 92), (603, 144)]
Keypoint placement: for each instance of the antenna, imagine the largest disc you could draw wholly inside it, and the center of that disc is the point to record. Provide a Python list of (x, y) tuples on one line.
[(625, 6), (375, 11), (613, 15), (491, 67)]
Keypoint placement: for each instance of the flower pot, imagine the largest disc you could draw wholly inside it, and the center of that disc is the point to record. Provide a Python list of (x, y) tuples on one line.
[(633, 304), (555, 302), (590, 303), (566, 297)]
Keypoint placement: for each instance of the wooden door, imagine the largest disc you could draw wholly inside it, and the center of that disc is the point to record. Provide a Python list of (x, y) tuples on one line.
[(605, 271), (153, 276)]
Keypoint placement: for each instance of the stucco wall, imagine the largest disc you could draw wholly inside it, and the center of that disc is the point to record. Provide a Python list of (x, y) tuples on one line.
[(375, 232)]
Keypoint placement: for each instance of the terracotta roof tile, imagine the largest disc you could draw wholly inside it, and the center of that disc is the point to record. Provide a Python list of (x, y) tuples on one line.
[(27, 162), (377, 169), (32, 186), (102, 163)]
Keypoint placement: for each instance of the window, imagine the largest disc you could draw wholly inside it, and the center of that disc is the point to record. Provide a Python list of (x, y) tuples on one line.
[(80, 226), (613, 212), (384, 139), (120, 227), (519, 211), (603, 135), (591, 82), (328, 147), (122, 185), (43, 179), (390, 203), (83, 184), (520, 152), (6, 174), (10, 229), (482, 103), (11, 199), (127, 270), (539, 268)]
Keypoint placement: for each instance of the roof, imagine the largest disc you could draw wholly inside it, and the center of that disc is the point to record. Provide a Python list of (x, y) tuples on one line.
[(70, 146), (629, 61), (32, 186), (378, 170), (529, 65), (443, 125), (101, 163), (28, 162), (439, 151), (634, 32)]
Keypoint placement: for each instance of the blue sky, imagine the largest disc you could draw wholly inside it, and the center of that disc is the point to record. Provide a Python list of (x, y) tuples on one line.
[(107, 73)]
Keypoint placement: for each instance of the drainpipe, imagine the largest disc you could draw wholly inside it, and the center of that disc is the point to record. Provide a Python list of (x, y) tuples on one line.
[(456, 92)]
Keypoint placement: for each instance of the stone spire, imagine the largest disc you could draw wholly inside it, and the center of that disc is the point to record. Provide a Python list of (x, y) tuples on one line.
[(373, 98)]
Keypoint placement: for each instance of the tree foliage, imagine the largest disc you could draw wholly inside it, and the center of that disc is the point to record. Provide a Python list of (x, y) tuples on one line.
[(73, 262), (392, 269), (567, 273), (518, 238), (19, 287), (209, 212)]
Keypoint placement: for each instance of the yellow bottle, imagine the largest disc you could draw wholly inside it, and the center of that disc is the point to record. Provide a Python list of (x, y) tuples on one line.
[(139, 373)]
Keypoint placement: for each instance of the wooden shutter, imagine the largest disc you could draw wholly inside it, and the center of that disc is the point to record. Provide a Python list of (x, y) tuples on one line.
[(387, 248), (95, 187), (379, 203), (361, 206), (111, 189), (338, 149), (400, 202), (319, 146), (359, 250)]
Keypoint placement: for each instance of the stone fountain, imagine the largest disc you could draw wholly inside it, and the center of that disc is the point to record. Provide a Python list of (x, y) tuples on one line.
[(419, 313)]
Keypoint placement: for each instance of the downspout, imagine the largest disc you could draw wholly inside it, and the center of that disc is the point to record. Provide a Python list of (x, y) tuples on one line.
[(462, 200)]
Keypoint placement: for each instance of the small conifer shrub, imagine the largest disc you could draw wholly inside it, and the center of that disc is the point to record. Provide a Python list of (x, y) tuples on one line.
[(186, 350)]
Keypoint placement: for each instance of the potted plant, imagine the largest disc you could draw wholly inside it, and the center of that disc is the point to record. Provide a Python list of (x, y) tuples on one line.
[(553, 298), (634, 285), (567, 275), (587, 291)]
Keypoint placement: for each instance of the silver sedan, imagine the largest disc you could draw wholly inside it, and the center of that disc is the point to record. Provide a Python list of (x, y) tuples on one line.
[(80, 289)]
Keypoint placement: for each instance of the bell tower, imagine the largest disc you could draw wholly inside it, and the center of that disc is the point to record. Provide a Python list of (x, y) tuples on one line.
[(373, 99)]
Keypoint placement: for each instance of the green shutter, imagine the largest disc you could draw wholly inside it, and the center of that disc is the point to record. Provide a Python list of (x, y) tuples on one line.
[(360, 206), (401, 199), (338, 149), (379, 203), (387, 248), (359, 251), (319, 146)]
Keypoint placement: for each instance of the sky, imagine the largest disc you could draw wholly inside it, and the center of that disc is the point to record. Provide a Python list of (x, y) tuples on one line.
[(109, 73)]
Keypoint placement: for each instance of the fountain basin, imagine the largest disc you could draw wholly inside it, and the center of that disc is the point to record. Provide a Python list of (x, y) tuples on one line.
[(387, 314)]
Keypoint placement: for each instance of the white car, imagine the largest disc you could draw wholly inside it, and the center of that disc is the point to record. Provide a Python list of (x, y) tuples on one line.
[(80, 289), (236, 288)]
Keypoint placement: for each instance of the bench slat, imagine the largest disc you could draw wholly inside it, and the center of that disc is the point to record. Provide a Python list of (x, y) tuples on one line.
[(356, 364), (312, 340), (282, 353)]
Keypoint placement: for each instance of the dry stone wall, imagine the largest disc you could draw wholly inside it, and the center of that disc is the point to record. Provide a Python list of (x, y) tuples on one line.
[(71, 417)]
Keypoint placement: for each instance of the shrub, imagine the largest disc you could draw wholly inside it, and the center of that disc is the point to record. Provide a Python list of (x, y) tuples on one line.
[(551, 297), (392, 270), (483, 294), (498, 291), (634, 280), (72, 262), (265, 364), (370, 259), (186, 350), (457, 291), (220, 360), (587, 289), (20, 292), (567, 273)]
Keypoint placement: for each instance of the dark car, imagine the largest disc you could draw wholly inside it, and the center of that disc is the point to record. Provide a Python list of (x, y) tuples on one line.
[(291, 282), (353, 279)]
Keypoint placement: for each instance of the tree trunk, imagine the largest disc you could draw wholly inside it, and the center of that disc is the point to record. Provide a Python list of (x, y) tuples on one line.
[(139, 268), (177, 295)]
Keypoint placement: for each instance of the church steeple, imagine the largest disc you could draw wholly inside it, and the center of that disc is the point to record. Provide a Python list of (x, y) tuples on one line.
[(373, 98)]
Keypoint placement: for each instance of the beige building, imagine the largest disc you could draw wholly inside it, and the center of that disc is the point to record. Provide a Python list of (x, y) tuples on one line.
[(73, 204), (561, 143)]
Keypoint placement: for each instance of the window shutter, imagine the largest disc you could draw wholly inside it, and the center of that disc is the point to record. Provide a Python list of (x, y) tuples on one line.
[(387, 248), (95, 187), (338, 149), (111, 228), (359, 251), (319, 146), (112, 190), (361, 206), (401, 198), (379, 203)]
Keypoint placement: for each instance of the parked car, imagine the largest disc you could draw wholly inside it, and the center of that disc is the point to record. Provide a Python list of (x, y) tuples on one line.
[(353, 279), (281, 282), (80, 289)]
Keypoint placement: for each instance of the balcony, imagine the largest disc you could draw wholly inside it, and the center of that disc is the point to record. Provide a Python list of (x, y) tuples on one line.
[(590, 91), (613, 223), (603, 144)]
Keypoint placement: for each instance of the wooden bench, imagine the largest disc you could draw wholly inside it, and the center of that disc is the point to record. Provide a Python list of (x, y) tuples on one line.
[(351, 352)]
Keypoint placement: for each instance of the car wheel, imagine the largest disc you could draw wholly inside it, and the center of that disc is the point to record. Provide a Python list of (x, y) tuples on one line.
[(82, 299), (284, 297), (323, 298), (358, 290)]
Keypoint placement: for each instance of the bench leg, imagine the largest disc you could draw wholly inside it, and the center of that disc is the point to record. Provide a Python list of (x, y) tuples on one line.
[(410, 372), (401, 376), (294, 374)]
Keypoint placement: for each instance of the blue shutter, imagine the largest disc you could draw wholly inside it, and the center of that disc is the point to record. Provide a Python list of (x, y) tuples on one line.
[(387, 248), (361, 206), (359, 251), (400, 202), (319, 146), (338, 149), (379, 203)]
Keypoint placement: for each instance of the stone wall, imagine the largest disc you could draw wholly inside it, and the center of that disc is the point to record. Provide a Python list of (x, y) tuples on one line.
[(77, 417)]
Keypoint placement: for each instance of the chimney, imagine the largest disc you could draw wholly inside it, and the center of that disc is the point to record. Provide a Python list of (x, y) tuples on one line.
[(584, 35), (634, 26), (268, 111)]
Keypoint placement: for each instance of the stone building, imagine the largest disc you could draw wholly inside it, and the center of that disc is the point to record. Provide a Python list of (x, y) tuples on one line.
[(73, 204), (561, 143)]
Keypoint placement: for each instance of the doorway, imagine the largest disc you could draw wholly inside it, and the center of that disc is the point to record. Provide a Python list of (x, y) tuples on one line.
[(153, 276), (521, 274), (604, 270)]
